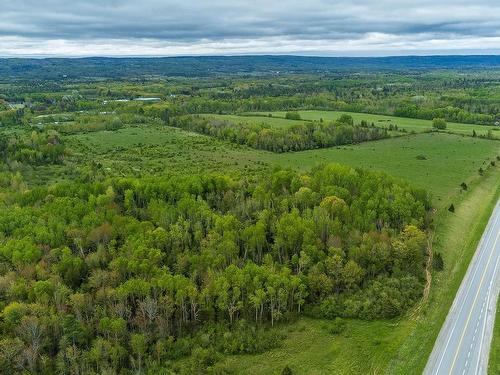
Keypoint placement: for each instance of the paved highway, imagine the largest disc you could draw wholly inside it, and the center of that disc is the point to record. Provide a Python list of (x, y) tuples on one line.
[(463, 345)]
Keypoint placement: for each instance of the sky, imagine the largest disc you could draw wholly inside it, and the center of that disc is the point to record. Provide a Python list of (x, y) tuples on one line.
[(41, 28)]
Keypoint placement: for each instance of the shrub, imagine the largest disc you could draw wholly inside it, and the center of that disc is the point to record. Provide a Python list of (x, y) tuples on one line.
[(439, 123), (451, 208), (292, 116), (346, 119)]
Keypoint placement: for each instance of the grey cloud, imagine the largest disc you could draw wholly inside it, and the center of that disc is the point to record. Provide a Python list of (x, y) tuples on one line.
[(191, 22)]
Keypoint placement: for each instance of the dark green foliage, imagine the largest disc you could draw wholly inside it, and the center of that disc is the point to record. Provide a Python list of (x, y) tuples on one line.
[(464, 186), (292, 116), (36, 148), (437, 262), (451, 208), (11, 117), (287, 371), (298, 137), (337, 326)]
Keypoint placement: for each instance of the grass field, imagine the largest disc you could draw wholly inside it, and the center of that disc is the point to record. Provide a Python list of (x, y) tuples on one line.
[(450, 160), (456, 238), (416, 125), (280, 122), (362, 348), (150, 150)]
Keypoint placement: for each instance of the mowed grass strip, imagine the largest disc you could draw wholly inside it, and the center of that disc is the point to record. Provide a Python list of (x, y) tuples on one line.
[(410, 124)]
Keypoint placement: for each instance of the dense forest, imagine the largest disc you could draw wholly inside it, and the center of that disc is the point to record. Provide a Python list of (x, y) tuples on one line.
[(117, 275), (215, 65), (298, 137)]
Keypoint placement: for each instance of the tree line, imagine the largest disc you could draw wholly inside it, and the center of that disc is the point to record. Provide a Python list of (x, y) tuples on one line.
[(297, 137), (35, 148)]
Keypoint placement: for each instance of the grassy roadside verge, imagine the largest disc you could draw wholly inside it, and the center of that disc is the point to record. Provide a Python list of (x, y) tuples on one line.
[(456, 238), (494, 363)]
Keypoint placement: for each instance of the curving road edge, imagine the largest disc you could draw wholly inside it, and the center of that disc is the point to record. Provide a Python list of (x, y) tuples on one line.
[(463, 344)]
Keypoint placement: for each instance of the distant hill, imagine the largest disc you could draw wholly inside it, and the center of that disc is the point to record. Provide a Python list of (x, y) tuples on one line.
[(104, 67)]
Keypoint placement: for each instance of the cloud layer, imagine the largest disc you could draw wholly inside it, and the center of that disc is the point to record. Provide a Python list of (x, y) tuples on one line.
[(320, 27)]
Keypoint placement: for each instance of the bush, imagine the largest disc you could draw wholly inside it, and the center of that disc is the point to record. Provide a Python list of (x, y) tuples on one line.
[(439, 123), (451, 208), (287, 371), (292, 116), (346, 119)]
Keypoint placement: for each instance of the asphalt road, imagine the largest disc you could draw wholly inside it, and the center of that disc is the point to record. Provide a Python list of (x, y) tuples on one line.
[(463, 345)]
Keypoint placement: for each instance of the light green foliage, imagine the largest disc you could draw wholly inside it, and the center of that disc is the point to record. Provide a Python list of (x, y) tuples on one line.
[(21, 251)]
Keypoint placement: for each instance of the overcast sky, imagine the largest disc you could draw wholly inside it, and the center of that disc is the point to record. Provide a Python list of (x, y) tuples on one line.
[(223, 27)]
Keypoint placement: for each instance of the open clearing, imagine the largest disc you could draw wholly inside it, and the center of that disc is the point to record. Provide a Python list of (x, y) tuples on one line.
[(410, 124), (279, 122), (449, 159)]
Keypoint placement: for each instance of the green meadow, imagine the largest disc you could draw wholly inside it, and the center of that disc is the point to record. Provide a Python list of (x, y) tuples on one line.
[(434, 161), (410, 124)]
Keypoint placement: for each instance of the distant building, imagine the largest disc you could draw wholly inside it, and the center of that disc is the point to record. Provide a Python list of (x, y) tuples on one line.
[(148, 99)]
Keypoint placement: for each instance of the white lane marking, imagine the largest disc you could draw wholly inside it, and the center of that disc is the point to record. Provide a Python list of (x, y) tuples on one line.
[(474, 302), (488, 297), (489, 232)]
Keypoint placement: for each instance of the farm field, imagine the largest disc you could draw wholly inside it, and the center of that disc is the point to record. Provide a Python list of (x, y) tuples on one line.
[(410, 124), (164, 150), (309, 346), (449, 160)]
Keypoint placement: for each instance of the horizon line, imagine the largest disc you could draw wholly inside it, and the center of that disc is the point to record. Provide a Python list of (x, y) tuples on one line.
[(46, 57)]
